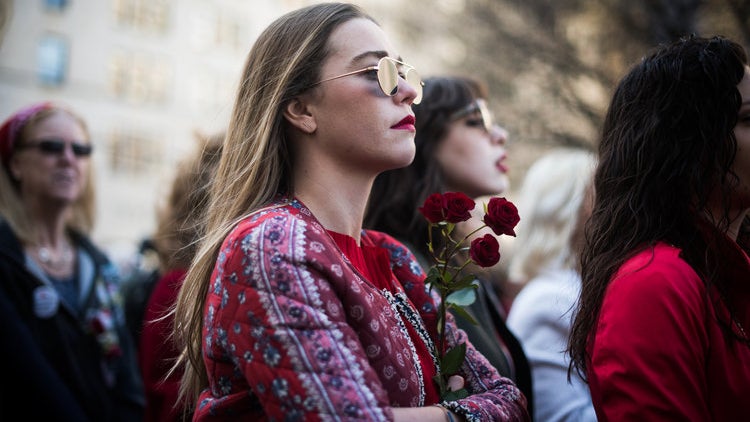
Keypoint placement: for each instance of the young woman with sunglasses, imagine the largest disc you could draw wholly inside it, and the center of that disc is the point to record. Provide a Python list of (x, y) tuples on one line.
[(65, 342), (458, 148), (661, 329), (290, 311)]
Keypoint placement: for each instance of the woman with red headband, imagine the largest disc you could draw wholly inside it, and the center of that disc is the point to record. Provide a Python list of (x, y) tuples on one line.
[(65, 345)]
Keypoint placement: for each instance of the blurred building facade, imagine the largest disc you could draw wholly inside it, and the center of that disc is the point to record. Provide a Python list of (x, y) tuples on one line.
[(145, 74)]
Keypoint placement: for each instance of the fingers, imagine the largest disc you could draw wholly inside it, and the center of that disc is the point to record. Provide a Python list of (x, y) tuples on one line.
[(455, 383)]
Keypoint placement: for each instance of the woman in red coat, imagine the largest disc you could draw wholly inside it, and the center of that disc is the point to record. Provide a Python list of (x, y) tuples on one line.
[(661, 331)]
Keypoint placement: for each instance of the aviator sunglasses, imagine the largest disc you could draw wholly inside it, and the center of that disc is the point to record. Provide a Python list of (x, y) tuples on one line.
[(388, 75), (54, 146), (477, 106)]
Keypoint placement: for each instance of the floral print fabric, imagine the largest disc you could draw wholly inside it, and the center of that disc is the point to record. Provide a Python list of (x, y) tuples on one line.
[(292, 331)]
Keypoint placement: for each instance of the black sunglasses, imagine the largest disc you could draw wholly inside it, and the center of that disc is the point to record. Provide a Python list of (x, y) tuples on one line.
[(57, 147)]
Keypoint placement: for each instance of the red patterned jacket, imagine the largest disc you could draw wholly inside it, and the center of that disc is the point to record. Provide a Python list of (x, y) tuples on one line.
[(292, 331)]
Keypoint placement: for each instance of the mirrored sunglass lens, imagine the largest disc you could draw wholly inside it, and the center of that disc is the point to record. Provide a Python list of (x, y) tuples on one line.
[(388, 76), (413, 78), (486, 121), (486, 115)]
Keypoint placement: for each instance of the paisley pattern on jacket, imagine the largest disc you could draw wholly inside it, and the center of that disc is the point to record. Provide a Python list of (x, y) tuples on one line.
[(292, 331)]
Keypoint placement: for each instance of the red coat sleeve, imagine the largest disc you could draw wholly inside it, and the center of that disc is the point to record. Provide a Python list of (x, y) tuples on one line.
[(647, 353)]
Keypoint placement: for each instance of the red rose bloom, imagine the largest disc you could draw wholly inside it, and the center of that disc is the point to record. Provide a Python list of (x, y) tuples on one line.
[(444, 211), (97, 325), (502, 216), (432, 209), (113, 352), (457, 207), (485, 250)]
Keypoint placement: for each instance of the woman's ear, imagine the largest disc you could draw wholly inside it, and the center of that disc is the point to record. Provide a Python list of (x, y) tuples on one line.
[(297, 113)]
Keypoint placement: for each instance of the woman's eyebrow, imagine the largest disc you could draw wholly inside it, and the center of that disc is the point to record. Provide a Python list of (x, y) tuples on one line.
[(378, 54)]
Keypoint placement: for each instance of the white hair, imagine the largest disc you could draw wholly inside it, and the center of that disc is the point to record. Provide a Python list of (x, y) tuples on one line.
[(548, 202)]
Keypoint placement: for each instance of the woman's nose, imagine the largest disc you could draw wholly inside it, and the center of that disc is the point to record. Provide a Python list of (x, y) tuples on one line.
[(498, 135), (407, 90), (68, 153)]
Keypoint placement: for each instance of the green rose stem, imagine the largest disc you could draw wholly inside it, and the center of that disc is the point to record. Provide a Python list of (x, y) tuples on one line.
[(446, 284), (444, 211)]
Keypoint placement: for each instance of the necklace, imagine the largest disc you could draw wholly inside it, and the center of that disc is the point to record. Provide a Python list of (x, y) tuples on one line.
[(46, 257)]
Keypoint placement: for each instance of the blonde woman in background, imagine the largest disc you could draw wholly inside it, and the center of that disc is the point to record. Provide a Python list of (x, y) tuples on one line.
[(553, 201), (65, 346)]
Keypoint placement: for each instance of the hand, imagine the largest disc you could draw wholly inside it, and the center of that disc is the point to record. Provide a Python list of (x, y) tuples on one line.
[(455, 382), (423, 414)]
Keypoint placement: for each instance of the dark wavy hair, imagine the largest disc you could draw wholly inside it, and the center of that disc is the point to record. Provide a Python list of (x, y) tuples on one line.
[(667, 147), (396, 194)]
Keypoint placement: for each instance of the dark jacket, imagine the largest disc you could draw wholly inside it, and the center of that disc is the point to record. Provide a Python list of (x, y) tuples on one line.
[(68, 365), (487, 335), (490, 335)]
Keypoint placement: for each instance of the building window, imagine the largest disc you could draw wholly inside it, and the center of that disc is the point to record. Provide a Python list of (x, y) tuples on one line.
[(55, 5), (146, 15), (52, 59), (133, 154), (215, 28), (139, 78)]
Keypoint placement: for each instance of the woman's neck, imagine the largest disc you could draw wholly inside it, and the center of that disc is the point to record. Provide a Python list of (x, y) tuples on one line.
[(335, 211), (52, 249), (48, 218), (736, 218), (736, 225), (50, 232), (339, 205)]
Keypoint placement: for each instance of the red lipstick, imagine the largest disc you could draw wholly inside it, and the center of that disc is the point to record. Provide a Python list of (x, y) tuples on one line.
[(500, 165), (407, 123)]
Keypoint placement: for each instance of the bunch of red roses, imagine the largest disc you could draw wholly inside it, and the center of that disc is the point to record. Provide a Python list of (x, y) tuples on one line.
[(443, 211)]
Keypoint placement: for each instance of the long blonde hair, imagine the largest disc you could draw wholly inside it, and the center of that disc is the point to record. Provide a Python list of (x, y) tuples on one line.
[(82, 215), (256, 162)]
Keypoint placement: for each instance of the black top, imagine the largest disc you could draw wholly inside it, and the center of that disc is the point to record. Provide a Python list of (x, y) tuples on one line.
[(490, 335), (71, 366)]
